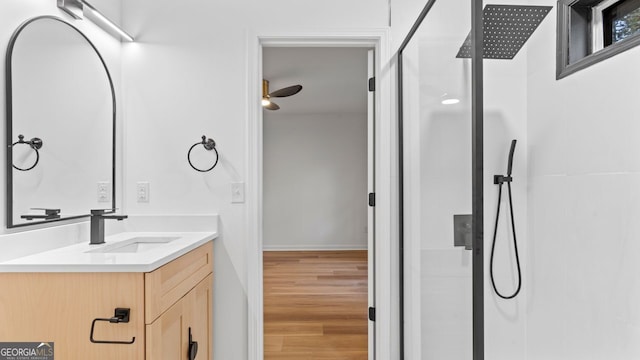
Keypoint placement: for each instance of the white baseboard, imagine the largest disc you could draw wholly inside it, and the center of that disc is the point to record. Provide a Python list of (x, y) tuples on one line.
[(302, 247)]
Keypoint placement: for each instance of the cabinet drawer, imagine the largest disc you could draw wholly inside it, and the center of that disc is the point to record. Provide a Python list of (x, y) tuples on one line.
[(60, 307), (166, 285)]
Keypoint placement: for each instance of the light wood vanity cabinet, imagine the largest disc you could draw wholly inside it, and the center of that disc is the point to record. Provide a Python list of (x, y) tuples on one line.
[(164, 303), (178, 302)]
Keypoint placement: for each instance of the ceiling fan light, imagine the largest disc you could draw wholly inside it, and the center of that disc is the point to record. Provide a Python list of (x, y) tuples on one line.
[(265, 102)]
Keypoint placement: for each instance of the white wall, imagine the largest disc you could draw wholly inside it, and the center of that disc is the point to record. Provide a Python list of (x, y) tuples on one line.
[(404, 13), (315, 181), (186, 76), (12, 14), (584, 181)]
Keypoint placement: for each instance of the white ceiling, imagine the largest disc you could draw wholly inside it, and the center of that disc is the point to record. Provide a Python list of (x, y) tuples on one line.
[(334, 80)]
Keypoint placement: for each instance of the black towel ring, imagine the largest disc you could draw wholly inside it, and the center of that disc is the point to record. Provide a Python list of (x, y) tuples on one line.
[(35, 143), (209, 145)]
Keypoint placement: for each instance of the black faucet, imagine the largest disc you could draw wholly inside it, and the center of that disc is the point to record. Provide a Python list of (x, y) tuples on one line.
[(98, 216)]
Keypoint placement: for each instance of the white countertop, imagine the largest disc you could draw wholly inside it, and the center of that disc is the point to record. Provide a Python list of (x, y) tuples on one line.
[(84, 258)]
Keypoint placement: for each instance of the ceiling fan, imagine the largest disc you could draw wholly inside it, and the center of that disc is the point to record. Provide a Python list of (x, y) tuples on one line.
[(284, 92)]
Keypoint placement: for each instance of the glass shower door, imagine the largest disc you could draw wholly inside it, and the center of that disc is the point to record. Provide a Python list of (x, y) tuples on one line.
[(437, 185)]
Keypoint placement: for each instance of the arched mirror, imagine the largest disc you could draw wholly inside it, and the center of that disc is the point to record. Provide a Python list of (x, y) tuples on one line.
[(60, 124)]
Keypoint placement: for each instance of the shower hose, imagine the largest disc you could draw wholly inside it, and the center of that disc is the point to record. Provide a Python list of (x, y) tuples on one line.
[(499, 180)]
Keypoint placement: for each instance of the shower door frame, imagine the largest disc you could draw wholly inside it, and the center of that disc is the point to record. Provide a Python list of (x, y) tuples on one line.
[(477, 173)]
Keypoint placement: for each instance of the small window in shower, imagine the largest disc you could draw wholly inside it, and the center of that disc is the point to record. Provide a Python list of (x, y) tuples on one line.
[(620, 21), (591, 31)]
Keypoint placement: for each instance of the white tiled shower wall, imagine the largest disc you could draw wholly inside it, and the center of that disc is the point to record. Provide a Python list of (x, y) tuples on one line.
[(576, 196), (584, 206)]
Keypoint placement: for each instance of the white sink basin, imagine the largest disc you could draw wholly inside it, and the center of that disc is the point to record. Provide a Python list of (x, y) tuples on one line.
[(136, 245)]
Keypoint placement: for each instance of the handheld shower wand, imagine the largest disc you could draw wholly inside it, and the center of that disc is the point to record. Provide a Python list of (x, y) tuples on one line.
[(511, 151), (499, 180)]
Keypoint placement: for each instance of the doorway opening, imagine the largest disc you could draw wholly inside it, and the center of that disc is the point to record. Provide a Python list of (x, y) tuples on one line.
[(383, 332), (317, 173)]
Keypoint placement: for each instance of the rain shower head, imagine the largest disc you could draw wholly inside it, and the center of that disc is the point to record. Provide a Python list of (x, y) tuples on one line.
[(505, 30)]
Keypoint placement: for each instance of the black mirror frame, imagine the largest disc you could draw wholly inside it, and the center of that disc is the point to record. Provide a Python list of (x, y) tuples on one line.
[(9, 127)]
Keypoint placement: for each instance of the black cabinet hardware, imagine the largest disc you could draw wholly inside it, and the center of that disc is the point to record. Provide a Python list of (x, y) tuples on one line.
[(193, 347)]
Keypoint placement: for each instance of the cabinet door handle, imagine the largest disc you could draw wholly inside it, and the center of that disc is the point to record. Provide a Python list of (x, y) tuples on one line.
[(193, 347)]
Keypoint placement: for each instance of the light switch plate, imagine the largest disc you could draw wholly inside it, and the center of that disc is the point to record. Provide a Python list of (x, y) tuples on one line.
[(104, 192), (237, 193), (142, 191)]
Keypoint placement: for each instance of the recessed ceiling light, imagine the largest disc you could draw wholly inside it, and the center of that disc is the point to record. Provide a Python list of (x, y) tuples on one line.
[(447, 99), (450, 101)]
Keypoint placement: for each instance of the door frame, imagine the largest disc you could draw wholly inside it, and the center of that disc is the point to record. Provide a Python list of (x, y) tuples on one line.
[(386, 221)]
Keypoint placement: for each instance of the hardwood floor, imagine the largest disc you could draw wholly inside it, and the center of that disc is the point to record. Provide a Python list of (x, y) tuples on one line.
[(315, 305)]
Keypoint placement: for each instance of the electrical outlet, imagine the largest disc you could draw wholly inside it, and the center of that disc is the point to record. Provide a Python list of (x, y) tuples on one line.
[(142, 191), (237, 193), (104, 191)]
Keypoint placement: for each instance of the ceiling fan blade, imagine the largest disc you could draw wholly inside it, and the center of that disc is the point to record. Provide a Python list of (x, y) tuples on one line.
[(272, 106), (288, 91)]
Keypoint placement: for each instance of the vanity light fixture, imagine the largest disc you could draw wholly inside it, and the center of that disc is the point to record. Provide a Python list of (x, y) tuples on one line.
[(78, 8), (71, 7)]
